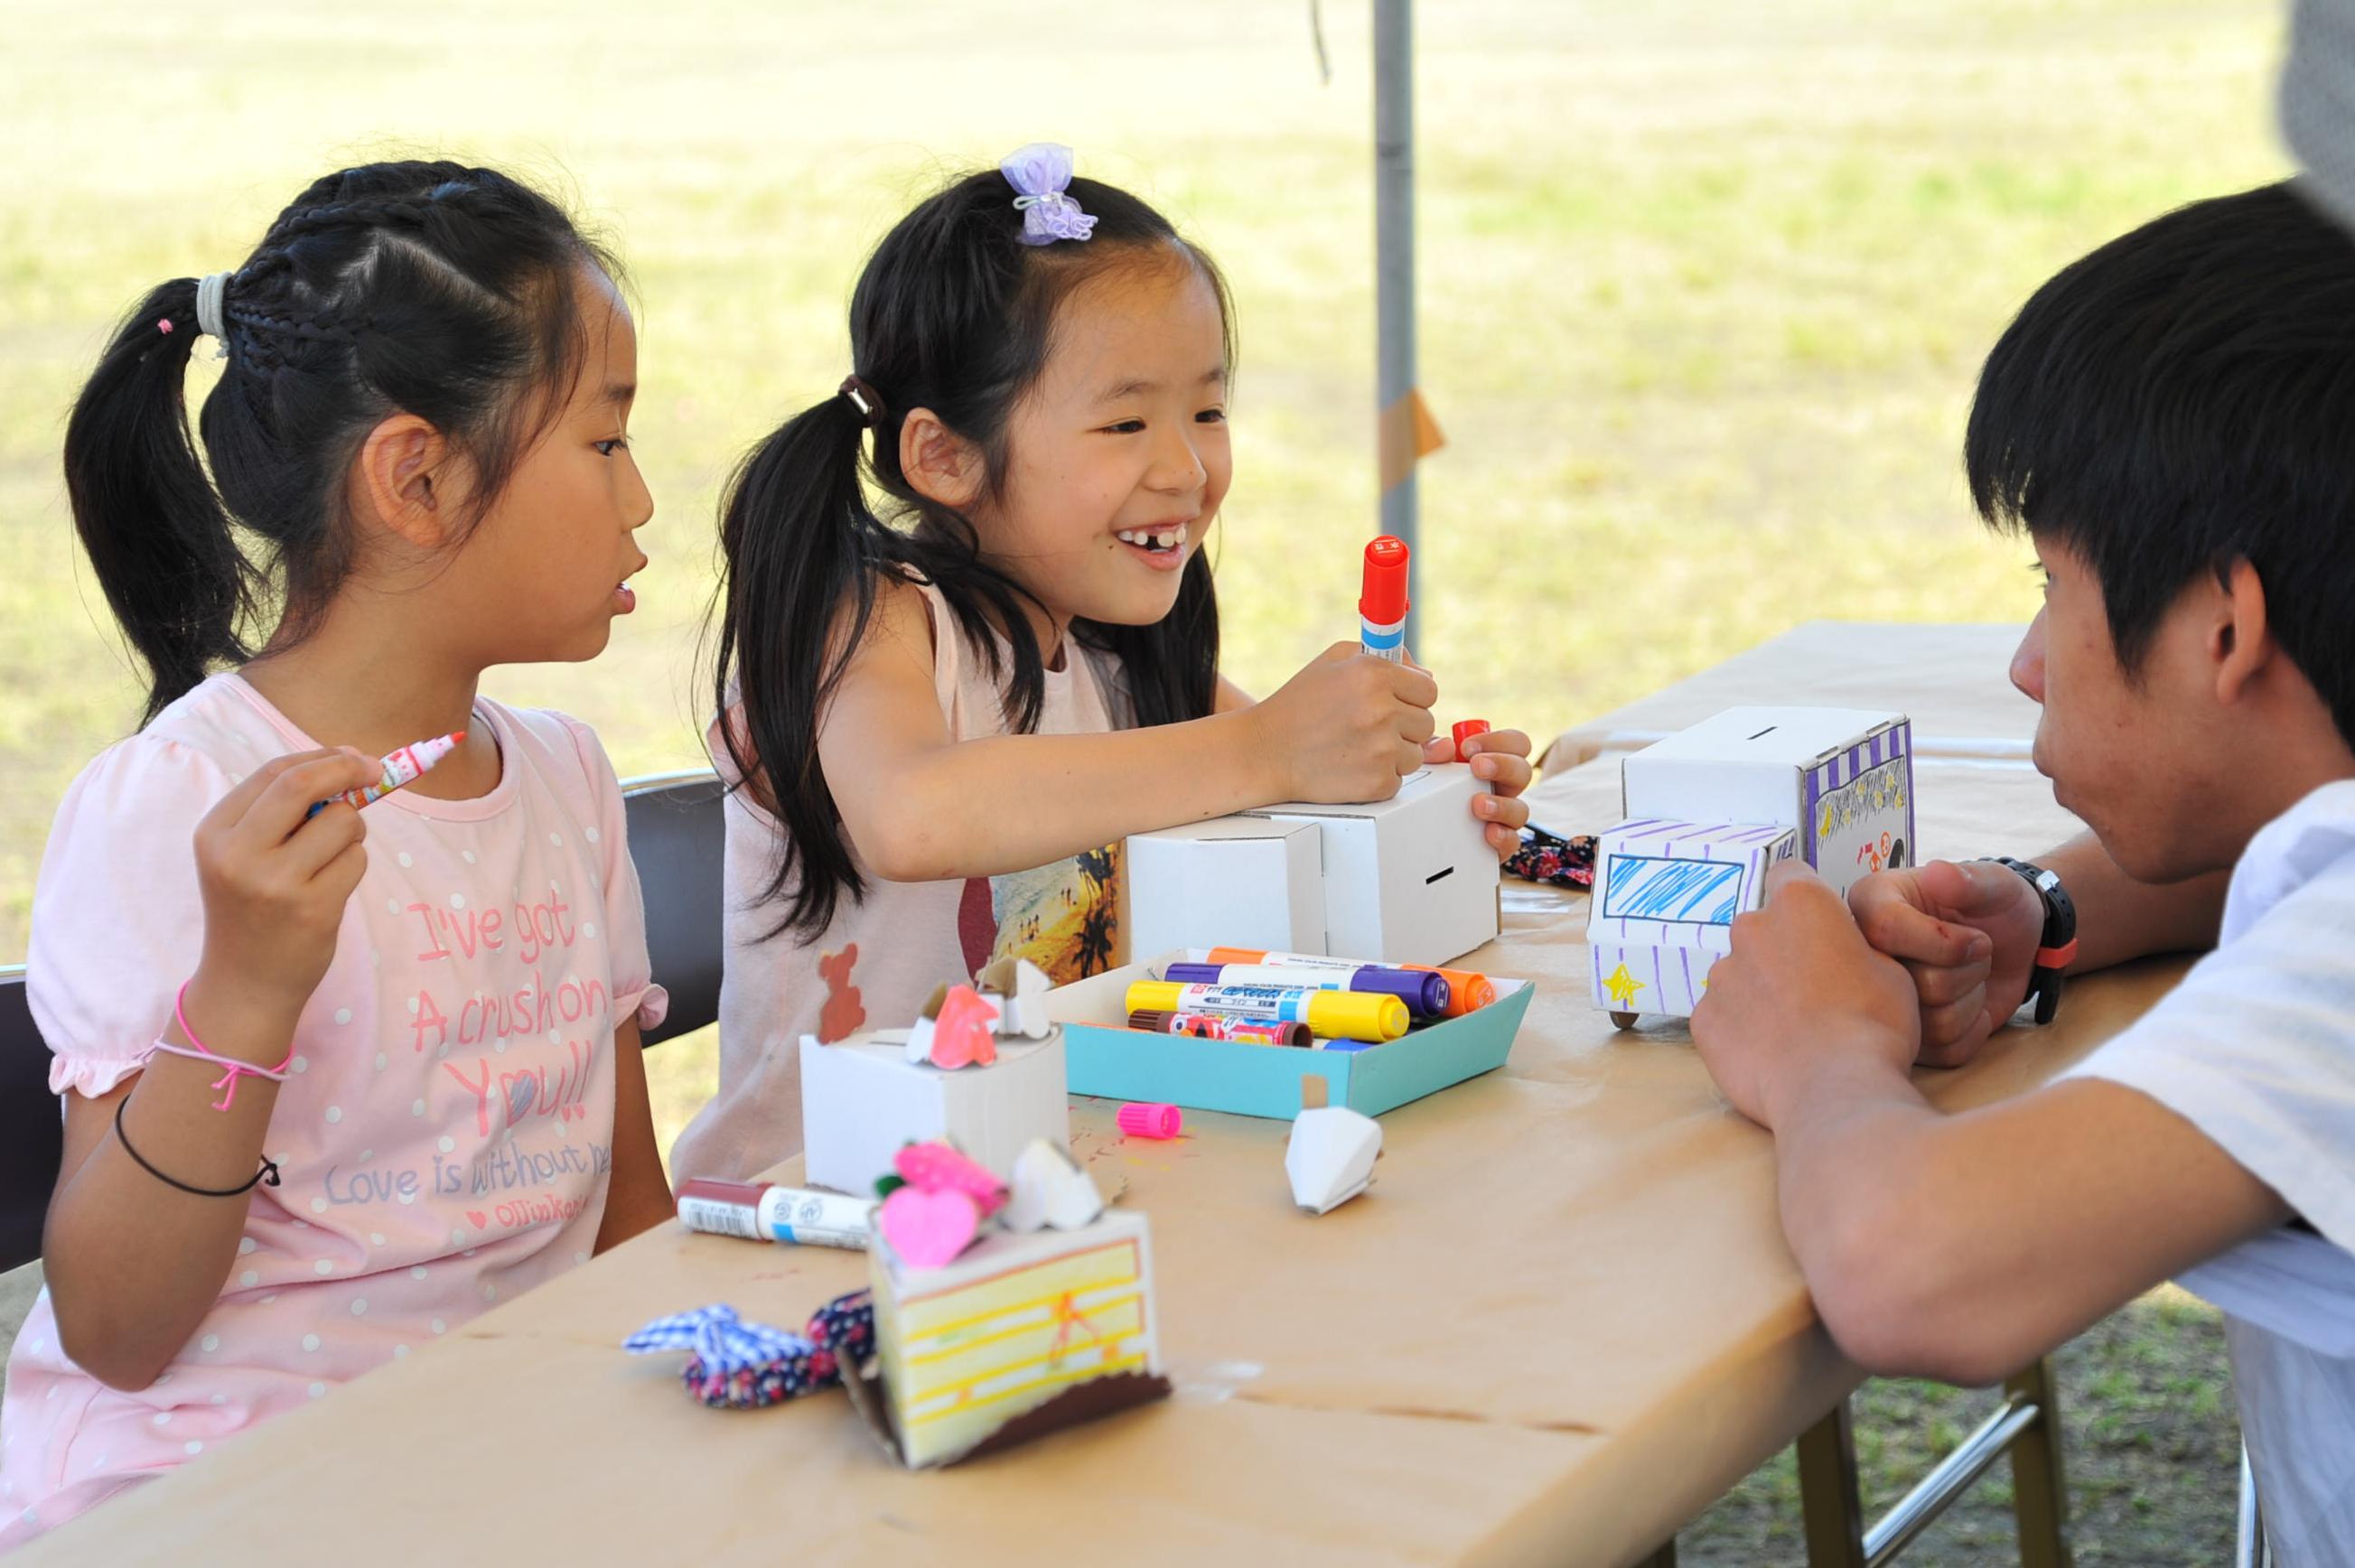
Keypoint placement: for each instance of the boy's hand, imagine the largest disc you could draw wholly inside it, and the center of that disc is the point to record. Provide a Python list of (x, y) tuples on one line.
[(1968, 933), (1502, 758), (1802, 994)]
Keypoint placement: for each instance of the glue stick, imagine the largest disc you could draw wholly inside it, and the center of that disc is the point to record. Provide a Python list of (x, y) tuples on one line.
[(1346, 1015), (762, 1211)]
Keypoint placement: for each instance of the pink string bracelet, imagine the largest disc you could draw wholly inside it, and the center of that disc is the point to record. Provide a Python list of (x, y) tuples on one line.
[(196, 1051)]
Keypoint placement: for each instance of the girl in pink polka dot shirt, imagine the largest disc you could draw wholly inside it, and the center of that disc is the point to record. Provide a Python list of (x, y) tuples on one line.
[(336, 1082)]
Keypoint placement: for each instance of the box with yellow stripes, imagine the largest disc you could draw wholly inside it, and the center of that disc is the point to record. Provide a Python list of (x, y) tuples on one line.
[(1017, 1322)]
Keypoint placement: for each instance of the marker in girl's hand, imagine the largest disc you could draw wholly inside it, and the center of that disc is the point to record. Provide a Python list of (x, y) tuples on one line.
[(1382, 600), (405, 766)]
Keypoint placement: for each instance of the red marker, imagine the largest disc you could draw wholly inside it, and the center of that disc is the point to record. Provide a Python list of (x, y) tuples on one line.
[(1382, 603)]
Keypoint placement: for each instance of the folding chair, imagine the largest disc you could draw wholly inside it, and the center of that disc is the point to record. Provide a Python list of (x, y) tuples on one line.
[(32, 1125), (678, 837), (2250, 1548)]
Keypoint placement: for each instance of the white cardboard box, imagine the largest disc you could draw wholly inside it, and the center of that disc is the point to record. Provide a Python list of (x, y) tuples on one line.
[(1256, 877), (862, 1099), (1842, 777), (1410, 879)]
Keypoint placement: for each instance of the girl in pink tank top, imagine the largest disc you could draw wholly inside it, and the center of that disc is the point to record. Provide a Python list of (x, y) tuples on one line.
[(337, 1082), (968, 641)]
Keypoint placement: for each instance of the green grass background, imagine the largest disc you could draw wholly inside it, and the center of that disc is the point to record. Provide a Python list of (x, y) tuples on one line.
[(1704, 288)]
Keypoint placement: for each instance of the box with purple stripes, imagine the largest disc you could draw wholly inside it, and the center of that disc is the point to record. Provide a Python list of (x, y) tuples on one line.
[(1709, 810)]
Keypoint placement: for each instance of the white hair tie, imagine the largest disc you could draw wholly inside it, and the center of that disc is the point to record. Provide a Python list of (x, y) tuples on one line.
[(212, 321)]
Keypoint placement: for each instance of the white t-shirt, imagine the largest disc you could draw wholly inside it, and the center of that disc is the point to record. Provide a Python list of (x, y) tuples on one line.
[(2256, 1049)]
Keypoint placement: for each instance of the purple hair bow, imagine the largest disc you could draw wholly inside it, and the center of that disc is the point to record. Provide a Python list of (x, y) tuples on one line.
[(1040, 174)]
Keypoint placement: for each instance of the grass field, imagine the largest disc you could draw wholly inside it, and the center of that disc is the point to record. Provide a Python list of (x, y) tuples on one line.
[(1704, 288)]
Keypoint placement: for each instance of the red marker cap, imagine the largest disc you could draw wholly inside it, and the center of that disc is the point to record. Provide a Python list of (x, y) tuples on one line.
[(1382, 601), (1465, 732)]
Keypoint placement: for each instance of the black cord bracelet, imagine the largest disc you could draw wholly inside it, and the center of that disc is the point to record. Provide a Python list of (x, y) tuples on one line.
[(269, 1171)]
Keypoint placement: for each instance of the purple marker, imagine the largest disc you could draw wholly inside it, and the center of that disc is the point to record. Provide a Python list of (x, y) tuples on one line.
[(1425, 992)]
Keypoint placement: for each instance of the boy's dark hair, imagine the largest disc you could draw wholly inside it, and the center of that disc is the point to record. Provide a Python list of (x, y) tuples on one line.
[(2181, 399), (427, 288), (951, 314)]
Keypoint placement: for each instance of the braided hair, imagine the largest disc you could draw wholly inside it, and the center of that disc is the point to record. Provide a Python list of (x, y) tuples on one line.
[(432, 289)]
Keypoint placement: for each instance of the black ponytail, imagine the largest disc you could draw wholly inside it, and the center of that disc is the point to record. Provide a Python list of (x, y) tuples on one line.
[(951, 314), (426, 288), (155, 532)]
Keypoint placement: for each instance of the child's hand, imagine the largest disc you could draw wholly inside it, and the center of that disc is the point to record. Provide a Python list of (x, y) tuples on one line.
[(1346, 729), (1501, 757), (274, 885)]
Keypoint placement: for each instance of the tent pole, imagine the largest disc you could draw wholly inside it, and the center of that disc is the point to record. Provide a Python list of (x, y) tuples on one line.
[(1394, 281)]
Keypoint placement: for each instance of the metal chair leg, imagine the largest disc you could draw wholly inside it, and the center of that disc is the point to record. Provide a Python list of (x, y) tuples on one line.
[(1828, 1499), (2039, 1493), (2250, 1548)]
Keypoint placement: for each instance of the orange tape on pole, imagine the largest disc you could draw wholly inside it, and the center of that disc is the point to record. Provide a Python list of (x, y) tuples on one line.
[(1409, 435)]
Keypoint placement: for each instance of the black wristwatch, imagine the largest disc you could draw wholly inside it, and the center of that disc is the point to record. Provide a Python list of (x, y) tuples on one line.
[(2057, 947)]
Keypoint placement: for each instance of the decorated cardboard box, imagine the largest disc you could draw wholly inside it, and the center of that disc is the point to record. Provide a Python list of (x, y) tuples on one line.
[(1019, 1335), (1407, 880), (862, 1099), (1662, 911), (1709, 810), (1842, 777), (1110, 1059)]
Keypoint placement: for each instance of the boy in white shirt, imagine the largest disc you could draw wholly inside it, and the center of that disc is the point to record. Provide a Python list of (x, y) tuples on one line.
[(2171, 421)]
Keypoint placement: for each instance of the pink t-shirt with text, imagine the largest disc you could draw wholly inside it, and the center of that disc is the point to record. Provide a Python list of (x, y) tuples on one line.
[(446, 1130)]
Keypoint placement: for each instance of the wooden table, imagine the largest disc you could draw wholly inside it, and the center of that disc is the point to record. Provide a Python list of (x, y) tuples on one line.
[(1561, 1323)]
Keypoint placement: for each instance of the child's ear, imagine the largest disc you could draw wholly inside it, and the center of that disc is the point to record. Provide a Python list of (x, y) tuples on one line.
[(404, 481), (940, 465)]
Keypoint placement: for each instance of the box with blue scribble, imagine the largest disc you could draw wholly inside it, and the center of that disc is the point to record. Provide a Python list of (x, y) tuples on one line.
[(1709, 809), (1666, 893)]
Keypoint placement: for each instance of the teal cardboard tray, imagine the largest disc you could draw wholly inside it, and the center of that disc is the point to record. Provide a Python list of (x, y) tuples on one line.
[(1105, 1059)]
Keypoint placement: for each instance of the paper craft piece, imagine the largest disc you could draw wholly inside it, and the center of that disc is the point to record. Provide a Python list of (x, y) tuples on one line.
[(1330, 1159), (958, 1029), (1018, 989), (943, 1167), (1059, 1324), (1666, 893), (1049, 1189), (1843, 777), (735, 1364), (929, 1229), (863, 1099)]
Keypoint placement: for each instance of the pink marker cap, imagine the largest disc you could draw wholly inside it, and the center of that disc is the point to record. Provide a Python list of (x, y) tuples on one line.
[(1150, 1121)]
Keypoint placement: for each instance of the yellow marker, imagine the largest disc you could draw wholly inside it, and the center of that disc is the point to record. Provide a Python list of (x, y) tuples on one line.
[(1370, 1016)]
